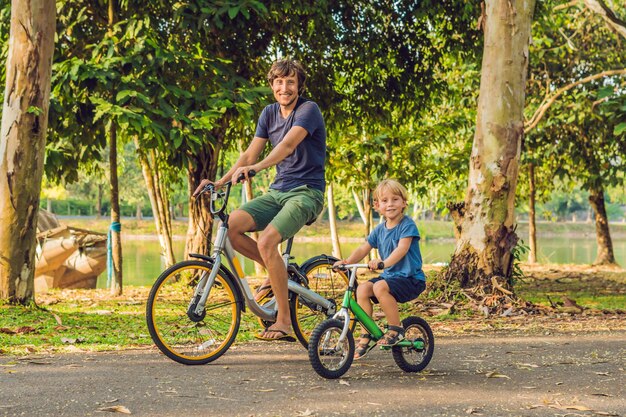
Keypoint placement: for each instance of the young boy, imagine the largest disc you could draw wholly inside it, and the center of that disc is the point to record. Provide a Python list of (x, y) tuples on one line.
[(397, 241)]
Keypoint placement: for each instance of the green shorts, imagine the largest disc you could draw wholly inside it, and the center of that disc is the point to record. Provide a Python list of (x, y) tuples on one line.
[(286, 211)]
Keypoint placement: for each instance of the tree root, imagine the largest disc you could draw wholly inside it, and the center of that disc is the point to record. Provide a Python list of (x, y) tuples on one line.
[(491, 300)]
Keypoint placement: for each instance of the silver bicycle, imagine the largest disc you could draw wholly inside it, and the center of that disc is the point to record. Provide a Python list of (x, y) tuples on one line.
[(194, 308)]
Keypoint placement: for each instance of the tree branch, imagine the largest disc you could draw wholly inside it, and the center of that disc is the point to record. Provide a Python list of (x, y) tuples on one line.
[(599, 7), (566, 5), (548, 101)]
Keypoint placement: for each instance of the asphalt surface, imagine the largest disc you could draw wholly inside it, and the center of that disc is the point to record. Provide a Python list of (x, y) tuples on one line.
[(490, 376)]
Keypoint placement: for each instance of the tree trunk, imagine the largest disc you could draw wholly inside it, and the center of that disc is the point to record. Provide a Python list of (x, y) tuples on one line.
[(605, 254), (116, 226), (22, 144), (162, 200), (165, 235), (332, 220), (138, 215), (359, 206), (200, 220), (532, 229), (99, 202), (487, 230), (369, 220)]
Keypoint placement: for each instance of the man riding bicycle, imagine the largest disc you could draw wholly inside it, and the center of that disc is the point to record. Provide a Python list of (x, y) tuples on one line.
[(295, 128)]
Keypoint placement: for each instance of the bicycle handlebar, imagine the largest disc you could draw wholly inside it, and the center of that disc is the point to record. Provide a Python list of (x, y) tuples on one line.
[(381, 265), (215, 194)]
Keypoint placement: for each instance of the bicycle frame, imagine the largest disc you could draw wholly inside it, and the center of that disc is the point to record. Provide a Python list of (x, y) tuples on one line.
[(350, 304), (223, 247)]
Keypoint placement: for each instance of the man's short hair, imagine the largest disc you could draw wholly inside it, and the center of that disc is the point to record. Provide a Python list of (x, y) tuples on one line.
[(285, 68)]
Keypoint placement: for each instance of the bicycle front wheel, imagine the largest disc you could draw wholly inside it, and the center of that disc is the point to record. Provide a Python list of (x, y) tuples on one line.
[(187, 338), (329, 284), (330, 357)]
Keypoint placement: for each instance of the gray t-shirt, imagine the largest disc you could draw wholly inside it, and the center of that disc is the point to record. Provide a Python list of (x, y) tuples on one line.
[(305, 166)]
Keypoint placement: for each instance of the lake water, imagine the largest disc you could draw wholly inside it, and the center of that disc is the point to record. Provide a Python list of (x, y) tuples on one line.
[(142, 262)]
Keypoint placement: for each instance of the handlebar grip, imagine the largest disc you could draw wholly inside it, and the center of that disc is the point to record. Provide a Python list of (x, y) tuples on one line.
[(242, 177)]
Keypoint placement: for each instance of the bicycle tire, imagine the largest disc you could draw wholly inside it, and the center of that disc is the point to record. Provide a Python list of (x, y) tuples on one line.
[(410, 359), (329, 358), (205, 338), (327, 283)]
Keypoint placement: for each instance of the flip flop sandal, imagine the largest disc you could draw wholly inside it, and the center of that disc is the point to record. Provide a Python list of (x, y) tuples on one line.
[(264, 291), (389, 340), (284, 336), (362, 348)]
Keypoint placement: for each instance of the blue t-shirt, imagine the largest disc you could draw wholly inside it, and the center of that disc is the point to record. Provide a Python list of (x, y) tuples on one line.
[(386, 241), (305, 166)]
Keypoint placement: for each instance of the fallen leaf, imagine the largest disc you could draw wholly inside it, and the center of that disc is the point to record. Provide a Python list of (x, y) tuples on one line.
[(305, 413), (71, 341), (266, 390), (526, 365), (343, 382), (602, 373), (19, 330), (39, 362), (605, 413), (58, 319), (102, 312), (116, 409), (495, 374), (577, 407), (560, 406)]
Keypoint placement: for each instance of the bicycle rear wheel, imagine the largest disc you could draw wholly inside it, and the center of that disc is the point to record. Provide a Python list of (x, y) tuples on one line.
[(192, 340), (410, 359), (327, 283)]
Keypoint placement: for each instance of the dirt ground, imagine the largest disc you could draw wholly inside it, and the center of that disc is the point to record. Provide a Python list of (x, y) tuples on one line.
[(488, 373)]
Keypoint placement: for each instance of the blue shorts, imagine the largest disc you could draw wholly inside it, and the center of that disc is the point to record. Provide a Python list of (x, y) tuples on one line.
[(402, 289)]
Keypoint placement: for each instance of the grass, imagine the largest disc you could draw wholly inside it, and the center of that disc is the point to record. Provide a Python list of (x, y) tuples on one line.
[(590, 287), (71, 319)]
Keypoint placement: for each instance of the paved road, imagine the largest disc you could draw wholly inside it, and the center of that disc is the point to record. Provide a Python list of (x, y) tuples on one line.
[(489, 376)]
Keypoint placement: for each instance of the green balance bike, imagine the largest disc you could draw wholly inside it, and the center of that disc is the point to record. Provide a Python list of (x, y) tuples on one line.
[(331, 345)]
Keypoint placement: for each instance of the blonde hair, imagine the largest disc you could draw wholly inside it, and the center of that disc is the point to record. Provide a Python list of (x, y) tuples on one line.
[(394, 187)]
